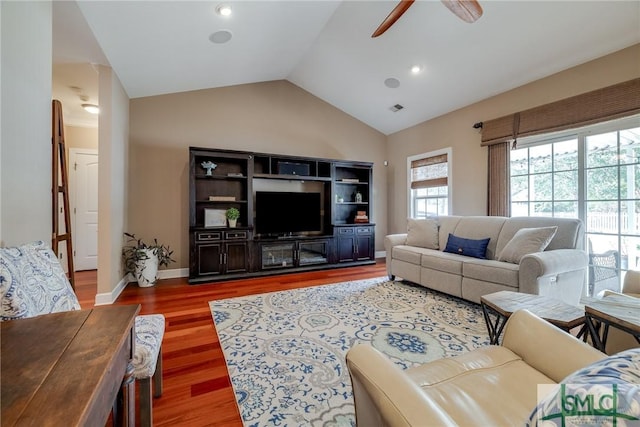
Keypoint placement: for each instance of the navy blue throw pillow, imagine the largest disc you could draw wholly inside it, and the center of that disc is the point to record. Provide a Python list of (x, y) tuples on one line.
[(468, 247)]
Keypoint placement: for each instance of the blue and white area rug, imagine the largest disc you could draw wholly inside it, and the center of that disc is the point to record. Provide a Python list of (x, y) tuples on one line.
[(285, 351)]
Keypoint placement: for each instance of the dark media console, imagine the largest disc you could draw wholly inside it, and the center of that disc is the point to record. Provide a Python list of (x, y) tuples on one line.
[(296, 214)]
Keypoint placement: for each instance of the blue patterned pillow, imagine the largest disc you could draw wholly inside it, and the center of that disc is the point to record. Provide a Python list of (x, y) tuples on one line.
[(468, 247), (32, 283), (606, 392)]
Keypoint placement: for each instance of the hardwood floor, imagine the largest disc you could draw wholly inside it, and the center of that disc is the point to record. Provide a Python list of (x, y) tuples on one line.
[(197, 390)]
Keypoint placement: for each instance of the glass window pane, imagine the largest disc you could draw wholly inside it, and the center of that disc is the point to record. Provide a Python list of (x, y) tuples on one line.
[(602, 150), (420, 192), (565, 209), (602, 217), (602, 184), (565, 185), (420, 209), (443, 191), (565, 155), (519, 161), (630, 217), (540, 187), (540, 158), (520, 209), (630, 258), (542, 209), (520, 188), (630, 146), (630, 182)]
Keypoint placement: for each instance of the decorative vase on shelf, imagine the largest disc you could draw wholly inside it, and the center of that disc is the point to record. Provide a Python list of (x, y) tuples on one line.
[(232, 222), (358, 197)]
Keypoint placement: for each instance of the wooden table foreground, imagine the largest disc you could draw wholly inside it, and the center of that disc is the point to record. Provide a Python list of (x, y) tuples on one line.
[(66, 368)]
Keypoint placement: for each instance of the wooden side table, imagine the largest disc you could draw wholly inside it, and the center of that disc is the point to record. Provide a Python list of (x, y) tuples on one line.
[(504, 303), (613, 310)]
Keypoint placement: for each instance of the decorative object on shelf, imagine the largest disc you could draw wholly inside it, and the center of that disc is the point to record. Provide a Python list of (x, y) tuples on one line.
[(350, 180), (222, 198), (142, 260), (215, 218), (340, 199), (358, 197), (361, 217), (232, 215), (209, 166), (235, 174)]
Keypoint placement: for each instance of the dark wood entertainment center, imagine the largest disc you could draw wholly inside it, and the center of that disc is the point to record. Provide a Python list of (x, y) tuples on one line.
[(220, 252)]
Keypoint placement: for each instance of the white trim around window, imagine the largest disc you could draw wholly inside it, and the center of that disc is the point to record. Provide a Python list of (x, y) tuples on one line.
[(436, 153)]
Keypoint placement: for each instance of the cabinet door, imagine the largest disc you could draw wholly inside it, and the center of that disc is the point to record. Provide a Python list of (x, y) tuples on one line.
[(314, 252), (365, 245), (277, 255), (237, 260), (346, 248), (209, 258), (363, 249)]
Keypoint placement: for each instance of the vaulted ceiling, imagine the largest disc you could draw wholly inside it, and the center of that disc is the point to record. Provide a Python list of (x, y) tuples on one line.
[(325, 47)]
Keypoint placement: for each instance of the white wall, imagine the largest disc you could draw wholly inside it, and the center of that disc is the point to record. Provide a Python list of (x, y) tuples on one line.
[(113, 144), (25, 149)]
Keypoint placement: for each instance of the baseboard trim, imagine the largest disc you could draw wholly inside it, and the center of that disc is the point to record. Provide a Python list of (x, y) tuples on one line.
[(173, 273), (111, 297), (381, 254)]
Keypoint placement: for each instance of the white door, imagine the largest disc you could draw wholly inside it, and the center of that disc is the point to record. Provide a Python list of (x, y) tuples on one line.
[(83, 178)]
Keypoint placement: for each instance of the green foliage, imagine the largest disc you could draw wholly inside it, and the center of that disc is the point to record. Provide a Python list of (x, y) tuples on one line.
[(133, 253), (233, 213)]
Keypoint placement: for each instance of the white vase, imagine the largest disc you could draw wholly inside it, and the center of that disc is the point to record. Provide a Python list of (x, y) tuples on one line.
[(232, 222), (147, 270)]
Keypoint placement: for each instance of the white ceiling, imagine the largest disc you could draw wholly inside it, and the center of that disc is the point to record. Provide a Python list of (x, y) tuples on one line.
[(158, 47)]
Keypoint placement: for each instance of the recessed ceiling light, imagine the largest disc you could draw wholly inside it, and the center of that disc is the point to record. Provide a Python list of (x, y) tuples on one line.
[(392, 82), (223, 10), (221, 36), (91, 108), (415, 69)]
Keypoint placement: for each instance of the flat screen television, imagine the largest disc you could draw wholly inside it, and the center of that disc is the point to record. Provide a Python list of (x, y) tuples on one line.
[(284, 213)]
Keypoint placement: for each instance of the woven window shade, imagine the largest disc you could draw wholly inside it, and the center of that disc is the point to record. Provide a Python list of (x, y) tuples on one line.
[(612, 102), (429, 172)]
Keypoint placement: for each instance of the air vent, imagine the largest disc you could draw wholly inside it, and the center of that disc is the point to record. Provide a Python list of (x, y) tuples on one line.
[(396, 108)]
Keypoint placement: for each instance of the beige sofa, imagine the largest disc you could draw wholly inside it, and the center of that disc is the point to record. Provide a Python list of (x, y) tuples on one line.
[(490, 386), (559, 271)]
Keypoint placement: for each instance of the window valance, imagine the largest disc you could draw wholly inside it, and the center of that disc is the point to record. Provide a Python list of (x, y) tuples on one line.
[(612, 102)]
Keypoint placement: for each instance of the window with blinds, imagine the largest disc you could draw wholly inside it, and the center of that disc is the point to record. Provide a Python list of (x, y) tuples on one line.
[(428, 184)]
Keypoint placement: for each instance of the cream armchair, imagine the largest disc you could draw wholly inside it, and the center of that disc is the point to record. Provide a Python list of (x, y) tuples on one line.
[(490, 386)]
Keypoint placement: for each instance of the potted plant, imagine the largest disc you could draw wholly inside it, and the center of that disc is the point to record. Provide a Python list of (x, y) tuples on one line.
[(142, 260), (232, 216)]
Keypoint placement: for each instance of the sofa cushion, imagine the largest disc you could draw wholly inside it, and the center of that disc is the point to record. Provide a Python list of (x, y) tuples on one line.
[(467, 247), (442, 261), (410, 254), (597, 380), (32, 282), (480, 227), (423, 233), (491, 271), (569, 235), (527, 241)]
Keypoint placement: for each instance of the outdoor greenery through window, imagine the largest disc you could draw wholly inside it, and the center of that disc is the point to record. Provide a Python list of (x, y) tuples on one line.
[(429, 183), (592, 174)]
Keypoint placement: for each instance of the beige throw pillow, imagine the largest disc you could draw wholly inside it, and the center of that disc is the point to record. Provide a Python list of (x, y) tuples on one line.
[(422, 233), (527, 241)]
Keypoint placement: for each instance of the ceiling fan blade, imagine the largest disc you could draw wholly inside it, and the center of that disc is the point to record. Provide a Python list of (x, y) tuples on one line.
[(395, 14), (467, 10)]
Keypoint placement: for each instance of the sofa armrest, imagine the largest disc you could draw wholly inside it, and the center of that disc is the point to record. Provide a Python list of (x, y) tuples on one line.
[(385, 396), (545, 347), (560, 273), (390, 241)]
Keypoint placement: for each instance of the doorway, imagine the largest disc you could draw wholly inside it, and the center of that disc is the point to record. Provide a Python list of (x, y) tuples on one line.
[(83, 180)]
